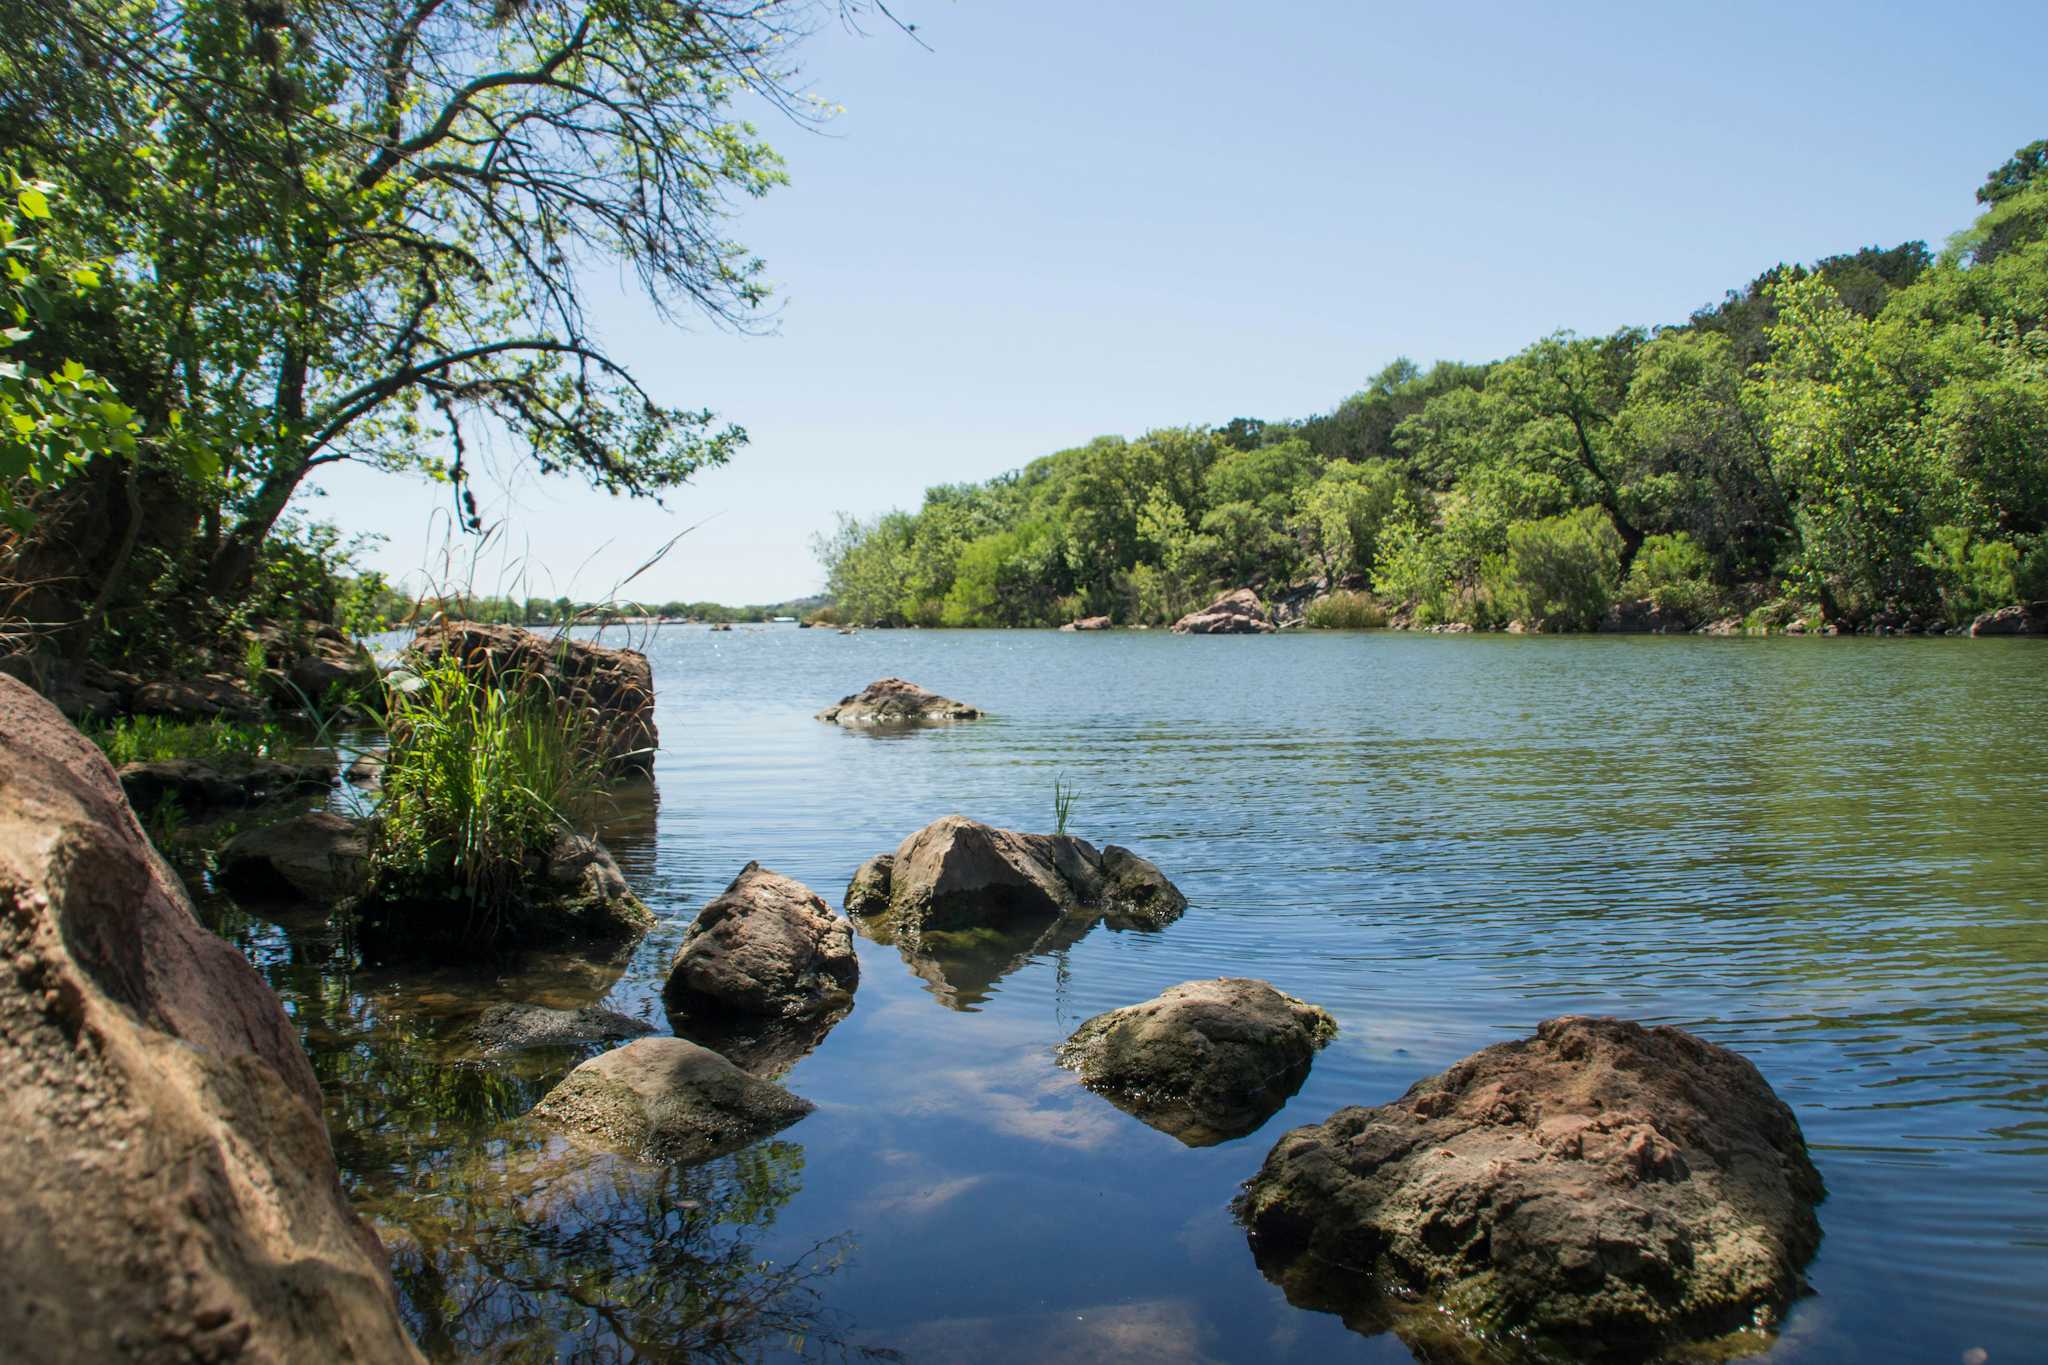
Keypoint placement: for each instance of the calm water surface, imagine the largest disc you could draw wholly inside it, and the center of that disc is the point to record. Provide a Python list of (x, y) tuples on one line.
[(1825, 854)]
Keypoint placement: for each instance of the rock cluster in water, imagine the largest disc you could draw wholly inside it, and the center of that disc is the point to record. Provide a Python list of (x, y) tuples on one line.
[(1234, 613), (1602, 1187), (1206, 1061), (169, 1188), (892, 701)]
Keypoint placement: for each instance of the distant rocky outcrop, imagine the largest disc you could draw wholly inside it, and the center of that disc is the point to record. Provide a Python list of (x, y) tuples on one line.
[(892, 701), (198, 786), (668, 1100), (763, 973), (2021, 618), (169, 1189), (1234, 613), (319, 856), (1088, 623), (1599, 1189), (1206, 1061), (614, 688)]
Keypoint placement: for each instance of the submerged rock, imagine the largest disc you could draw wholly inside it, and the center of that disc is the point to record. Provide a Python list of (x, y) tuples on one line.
[(668, 1100), (1205, 1061), (514, 1028), (321, 856), (202, 786), (613, 687), (169, 1188), (1600, 1189), (892, 701), (1234, 613), (767, 947)]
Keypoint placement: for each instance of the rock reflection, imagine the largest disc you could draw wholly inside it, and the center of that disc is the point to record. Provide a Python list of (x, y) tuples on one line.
[(762, 1047), (535, 1249), (962, 968)]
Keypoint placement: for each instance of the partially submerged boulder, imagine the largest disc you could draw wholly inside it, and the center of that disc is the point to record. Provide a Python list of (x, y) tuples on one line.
[(1205, 1061), (892, 701), (515, 1028), (320, 856), (613, 688), (668, 1100), (1601, 1188), (2021, 618), (957, 873), (768, 947), (198, 786), (169, 1189), (1088, 623), (1234, 613)]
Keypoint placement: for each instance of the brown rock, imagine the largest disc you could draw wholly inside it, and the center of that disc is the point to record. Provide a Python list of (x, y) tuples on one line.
[(1088, 623), (515, 1028), (1206, 1061), (197, 698), (668, 1100), (767, 946), (2017, 619), (320, 856), (1234, 613), (868, 892), (614, 687), (1600, 1188), (169, 1189), (892, 701), (201, 786)]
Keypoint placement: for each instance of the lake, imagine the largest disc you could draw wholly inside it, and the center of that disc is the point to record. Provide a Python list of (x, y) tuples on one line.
[(1825, 854)]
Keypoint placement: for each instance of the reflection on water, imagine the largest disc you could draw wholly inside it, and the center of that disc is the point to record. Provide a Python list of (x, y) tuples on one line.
[(1824, 854)]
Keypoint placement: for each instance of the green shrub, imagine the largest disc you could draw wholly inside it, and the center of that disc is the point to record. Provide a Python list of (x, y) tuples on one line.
[(824, 616), (1344, 611), (1972, 576), (478, 778), (1561, 571), (1675, 573), (153, 739)]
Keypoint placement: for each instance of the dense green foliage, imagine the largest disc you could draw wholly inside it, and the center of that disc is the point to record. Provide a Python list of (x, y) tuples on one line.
[(150, 739), (248, 241), (1868, 436)]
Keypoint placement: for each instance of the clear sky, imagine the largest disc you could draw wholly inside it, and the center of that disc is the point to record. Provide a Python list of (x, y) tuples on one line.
[(1066, 219)]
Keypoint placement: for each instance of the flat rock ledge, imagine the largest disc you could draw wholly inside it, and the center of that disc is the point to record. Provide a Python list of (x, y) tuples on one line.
[(1205, 1061), (769, 947), (957, 874), (1601, 1190), (515, 1028), (893, 701), (1234, 613), (668, 1101), (201, 786)]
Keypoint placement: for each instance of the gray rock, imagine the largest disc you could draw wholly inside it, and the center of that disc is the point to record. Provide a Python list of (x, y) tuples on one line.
[(1135, 893), (202, 786), (668, 1100), (1205, 1061), (868, 892), (321, 856), (892, 702), (767, 946), (514, 1028), (1602, 1188)]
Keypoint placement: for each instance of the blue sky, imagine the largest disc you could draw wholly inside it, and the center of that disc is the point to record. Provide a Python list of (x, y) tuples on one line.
[(1069, 219)]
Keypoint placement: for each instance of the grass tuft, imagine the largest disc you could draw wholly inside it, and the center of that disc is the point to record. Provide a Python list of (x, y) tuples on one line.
[(1344, 611)]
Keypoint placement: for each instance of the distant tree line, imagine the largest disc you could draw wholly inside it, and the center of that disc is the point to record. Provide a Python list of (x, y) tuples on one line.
[(1863, 437)]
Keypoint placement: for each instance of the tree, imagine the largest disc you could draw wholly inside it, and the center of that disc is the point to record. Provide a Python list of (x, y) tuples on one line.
[(339, 229)]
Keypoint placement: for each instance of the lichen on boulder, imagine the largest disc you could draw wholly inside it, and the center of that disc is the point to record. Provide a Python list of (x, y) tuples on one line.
[(1601, 1189)]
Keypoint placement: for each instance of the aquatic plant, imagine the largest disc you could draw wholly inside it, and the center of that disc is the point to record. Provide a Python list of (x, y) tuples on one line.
[(153, 739), (1062, 805), (1344, 611)]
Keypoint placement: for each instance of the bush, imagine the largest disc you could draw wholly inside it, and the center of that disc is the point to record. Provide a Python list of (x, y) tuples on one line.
[(1344, 611), (1972, 576), (153, 739), (1674, 572), (479, 778), (1562, 571), (824, 616)]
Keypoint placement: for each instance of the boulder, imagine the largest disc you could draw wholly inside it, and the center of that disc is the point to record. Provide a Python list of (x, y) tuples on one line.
[(668, 1100), (202, 698), (1205, 1061), (1135, 893), (514, 1028), (613, 687), (169, 1189), (1234, 613), (2021, 618), (892, 701), (320, 856), (1088, 623), (1600, 1188), (868, 892), (766, 947), (201, 786)]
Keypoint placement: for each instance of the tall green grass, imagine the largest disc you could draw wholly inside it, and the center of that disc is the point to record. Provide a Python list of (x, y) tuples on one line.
[(154, 739), (480, 778), (1344, 611)]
